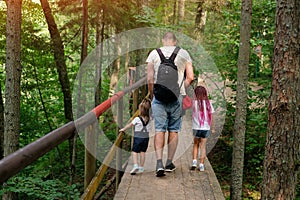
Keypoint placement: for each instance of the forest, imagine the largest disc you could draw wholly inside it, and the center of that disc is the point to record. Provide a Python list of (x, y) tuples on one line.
[(253, 44)]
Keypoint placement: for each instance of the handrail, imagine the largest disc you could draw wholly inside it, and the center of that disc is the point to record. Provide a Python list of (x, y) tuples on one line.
[(106, 104), (15, 162)]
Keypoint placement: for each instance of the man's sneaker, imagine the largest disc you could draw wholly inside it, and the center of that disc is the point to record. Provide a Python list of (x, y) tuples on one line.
[(194, 165), (141, 169), (135, 169), (160, 171), (170, 167), (201, 167)]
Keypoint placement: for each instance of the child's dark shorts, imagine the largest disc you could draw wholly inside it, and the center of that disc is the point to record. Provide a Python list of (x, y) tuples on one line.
[(201, 133), (140, 144)]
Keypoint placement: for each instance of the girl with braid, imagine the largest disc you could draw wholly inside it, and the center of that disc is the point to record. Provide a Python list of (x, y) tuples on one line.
[(202, 124)]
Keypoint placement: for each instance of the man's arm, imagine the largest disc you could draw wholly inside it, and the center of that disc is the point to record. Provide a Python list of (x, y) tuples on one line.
[(150, 78), (189, 74)]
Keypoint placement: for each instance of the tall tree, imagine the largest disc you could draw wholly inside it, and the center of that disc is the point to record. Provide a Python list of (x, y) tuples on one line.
[(241, 102), (1, 124), (174, 12), (80, 98), (181, 10), (84, 38), (90, 160), (200, 20), (282, 156), (115, 66), (13, 79), (100, 25), (59, 57)]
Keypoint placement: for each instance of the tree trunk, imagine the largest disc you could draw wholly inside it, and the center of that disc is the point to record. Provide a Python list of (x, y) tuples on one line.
[(13, 79), (100, 26), (90, 160), (1, 124), (200, 20), (241, 102), (281, 163), (115, 66), (59, 56), (174, 21), (84, 39), (181, 9)]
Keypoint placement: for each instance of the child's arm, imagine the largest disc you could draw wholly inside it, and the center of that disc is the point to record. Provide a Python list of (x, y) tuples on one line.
[(212, 125), (126, 127)]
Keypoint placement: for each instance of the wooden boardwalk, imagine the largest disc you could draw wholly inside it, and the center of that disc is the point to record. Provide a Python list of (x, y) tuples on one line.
[(182, 184)]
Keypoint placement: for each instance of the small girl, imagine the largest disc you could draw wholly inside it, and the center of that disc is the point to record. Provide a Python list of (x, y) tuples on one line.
[(141, 135), (202, 124)]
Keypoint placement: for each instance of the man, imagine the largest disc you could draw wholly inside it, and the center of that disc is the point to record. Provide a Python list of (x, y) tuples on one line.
[(167, 116)]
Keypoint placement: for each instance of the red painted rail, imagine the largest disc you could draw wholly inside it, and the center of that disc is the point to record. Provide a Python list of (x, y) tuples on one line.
[(15, 162)]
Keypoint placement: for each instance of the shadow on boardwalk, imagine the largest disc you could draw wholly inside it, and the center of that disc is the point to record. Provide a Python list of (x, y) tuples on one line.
[(183, 183)]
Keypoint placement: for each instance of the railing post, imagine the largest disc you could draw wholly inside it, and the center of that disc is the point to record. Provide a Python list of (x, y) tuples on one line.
[(90, 151), (119, 150)]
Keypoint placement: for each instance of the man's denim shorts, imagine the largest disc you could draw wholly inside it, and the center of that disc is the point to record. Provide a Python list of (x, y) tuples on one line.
[(167, 116), (201, 133)]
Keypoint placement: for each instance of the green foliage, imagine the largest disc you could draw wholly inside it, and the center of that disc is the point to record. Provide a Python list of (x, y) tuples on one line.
[(147, 18), (38, 188), (48, 177), (222, 34), (110, 129), (254, 144)]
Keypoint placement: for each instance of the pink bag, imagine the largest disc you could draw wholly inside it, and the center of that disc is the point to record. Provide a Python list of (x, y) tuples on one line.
[(186, 102)]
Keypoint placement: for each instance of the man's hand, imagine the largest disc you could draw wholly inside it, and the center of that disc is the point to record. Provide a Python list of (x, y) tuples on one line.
[(189, 74)]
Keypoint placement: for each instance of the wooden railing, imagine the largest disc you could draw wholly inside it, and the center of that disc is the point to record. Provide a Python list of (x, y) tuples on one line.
[(15, 162), (92, 187)]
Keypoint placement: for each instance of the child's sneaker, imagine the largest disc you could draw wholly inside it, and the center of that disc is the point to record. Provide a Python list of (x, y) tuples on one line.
[(135, 169), (201, 167), (194, 165), (141, 169)]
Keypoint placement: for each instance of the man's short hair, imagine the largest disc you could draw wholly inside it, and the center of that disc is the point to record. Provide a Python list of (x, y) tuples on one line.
[(169, 36)]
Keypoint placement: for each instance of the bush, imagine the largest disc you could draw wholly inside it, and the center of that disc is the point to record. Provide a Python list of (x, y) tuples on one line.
[(37, 188)]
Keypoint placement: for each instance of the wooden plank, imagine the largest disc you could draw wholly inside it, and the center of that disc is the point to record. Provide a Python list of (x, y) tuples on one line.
[(214, 181), (194, 182), (180, 184), (207, 190)]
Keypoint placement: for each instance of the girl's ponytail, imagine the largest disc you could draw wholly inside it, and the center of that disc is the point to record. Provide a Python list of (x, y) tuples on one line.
[(202, 97)]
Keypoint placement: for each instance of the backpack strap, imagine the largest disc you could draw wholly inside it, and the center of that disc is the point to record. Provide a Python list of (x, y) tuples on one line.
[(144, 124), (174, 54), (161, 55), (172, 57), (182, 82)]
